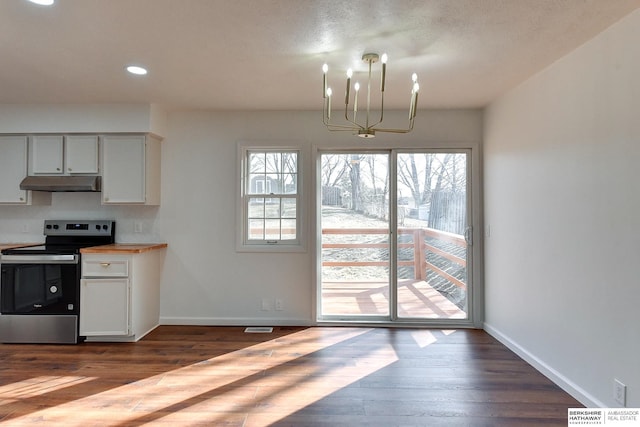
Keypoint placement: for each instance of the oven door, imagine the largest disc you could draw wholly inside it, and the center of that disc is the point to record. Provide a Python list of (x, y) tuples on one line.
[(39, 298), (39, 284)]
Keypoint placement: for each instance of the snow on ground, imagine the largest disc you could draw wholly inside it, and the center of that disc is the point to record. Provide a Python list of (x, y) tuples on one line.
[(335, 217)]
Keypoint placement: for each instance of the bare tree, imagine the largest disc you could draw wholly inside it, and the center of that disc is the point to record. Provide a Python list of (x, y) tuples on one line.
[(354, 177), (380, 184), (409, 175), (334, 168)]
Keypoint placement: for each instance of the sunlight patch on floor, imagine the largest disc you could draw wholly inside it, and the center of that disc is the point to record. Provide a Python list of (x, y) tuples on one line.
[(37, 386), (265, 375), (423, 337)]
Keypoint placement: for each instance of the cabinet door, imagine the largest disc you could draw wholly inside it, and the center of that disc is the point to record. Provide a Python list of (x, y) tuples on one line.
[(104, 307), (13, 168), (46, 155), (123, 169), (81, 154)]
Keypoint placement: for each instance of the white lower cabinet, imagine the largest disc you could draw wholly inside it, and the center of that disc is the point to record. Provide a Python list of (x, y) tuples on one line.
[(119, 296), (105, 307)]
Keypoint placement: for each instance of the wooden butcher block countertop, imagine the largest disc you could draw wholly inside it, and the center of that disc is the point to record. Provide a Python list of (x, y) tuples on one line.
[(123, 248), (17, 245)]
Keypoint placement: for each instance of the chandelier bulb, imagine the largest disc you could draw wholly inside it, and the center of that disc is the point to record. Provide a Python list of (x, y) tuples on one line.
[(329, 91), (356, 86), (325, 68), (414, 77), (349, 73), (416, 87), (384, 58)]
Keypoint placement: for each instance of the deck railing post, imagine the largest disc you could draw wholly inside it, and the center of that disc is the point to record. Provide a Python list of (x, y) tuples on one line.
[(418, 254), (423, 255)]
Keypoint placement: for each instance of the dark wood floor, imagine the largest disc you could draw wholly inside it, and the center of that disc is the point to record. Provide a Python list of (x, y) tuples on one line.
[(221, 376)]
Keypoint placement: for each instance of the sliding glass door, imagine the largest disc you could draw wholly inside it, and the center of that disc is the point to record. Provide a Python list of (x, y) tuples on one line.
[(431, 223), (394, 236), (354, 218)]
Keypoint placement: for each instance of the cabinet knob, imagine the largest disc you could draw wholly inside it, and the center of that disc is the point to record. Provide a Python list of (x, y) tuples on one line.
[(105, 264), (22, 199), (69, 169), (57, 169)]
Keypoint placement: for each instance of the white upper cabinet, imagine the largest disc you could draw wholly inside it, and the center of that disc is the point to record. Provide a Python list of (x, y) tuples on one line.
[(81, 154), (13, 169), (63, 155), (128, 163), (131, 169)]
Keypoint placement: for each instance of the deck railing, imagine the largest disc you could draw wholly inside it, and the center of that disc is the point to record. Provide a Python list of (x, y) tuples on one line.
[(419, 244)]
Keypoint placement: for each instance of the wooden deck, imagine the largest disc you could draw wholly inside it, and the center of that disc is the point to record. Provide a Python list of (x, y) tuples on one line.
[(416, 299)]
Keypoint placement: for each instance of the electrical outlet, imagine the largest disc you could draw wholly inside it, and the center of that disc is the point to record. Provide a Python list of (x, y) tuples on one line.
[(279, 304), (266, 304), (619, 392)]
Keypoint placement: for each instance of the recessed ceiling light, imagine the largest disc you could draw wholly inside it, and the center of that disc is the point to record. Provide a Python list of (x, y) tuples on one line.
[(134, 69), (43, 2)]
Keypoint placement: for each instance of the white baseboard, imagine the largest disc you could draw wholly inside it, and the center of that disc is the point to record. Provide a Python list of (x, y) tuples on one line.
[(560, 380), (233, 321)]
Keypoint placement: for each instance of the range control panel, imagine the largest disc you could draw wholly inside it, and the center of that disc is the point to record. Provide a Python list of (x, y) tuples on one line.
[(53, 227)]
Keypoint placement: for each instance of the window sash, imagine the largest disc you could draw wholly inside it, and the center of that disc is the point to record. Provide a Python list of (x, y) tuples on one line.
[(272, 180)]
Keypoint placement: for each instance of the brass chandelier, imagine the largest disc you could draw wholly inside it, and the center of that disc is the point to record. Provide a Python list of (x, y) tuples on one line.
[(364, 127)]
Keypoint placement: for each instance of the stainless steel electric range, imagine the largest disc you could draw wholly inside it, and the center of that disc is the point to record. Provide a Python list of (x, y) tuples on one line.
[(40, 285)]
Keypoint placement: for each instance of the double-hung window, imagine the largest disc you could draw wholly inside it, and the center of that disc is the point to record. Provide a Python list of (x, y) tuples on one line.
[(270, 198)]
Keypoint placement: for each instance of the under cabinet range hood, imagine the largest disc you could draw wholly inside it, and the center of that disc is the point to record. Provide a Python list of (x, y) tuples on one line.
[(61, 183)]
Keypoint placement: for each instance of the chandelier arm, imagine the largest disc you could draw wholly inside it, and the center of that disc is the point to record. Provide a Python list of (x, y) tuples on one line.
[(346, 117), (381, 113), (356, 126), (326, 111), (339, 128), (326, 119), (407, 130), (395, 130), (334, 127)]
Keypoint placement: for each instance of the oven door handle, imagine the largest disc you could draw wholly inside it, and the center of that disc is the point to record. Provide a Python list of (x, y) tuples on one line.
[(39, 259)]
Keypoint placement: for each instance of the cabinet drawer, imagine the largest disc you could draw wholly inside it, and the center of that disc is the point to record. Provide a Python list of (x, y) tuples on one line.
[(105, 268)]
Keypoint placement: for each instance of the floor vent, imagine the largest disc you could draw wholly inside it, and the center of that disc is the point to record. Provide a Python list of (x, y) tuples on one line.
[(259, 330)]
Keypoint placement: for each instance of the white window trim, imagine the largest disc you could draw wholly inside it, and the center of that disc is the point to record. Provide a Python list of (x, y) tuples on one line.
[(242, 242)]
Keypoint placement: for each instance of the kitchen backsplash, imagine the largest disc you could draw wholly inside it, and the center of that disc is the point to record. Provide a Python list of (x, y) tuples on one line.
[(134, 224)]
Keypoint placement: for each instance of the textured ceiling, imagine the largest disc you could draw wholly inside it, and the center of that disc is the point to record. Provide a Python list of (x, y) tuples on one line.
[(267, 54)]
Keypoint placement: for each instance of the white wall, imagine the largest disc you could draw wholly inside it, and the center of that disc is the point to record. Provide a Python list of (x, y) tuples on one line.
[(33, 118), (562, 200), (205, 281)]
